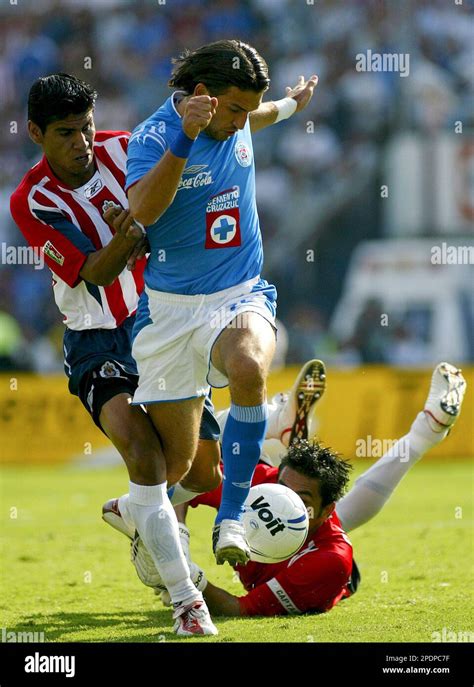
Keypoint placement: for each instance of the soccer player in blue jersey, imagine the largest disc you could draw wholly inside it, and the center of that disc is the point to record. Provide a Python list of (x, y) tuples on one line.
[(60, 207), (206, 317)]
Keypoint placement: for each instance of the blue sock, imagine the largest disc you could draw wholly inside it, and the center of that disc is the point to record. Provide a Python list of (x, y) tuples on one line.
[(244, 433)]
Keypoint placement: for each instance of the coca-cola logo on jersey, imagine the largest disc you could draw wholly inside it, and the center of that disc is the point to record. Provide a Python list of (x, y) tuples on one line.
[(198, 177)]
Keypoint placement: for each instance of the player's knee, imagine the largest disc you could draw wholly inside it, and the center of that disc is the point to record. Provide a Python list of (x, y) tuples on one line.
[(177, 470), (213, 479), (203, 481), (141, 459), (207, 483), (247, 372)]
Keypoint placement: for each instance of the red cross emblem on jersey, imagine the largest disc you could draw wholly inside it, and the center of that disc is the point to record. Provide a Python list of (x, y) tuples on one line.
[(223, 229)]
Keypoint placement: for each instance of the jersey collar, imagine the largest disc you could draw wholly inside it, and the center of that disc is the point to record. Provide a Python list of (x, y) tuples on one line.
[(62, 184), (175, 99)]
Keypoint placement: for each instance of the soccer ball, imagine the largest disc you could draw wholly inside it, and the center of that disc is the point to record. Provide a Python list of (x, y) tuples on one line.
[(276, 523)]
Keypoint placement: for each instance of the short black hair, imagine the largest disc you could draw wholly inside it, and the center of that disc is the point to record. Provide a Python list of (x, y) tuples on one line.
[(219, 66), (57, 96), (316, 461)]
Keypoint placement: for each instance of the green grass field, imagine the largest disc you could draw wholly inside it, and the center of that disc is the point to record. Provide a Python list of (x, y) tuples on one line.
[(67, 574)]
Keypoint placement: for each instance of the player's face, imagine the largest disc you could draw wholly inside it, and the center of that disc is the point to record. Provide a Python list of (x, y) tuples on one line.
[(68, 146), (232, 112), (309, 492)]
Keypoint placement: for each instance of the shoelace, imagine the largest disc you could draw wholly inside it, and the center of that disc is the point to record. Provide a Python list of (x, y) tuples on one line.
[(192, 611)]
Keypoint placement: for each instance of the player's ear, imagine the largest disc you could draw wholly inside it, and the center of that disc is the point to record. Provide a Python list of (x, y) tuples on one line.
[(35, 132), (201, 89), (329, 509)]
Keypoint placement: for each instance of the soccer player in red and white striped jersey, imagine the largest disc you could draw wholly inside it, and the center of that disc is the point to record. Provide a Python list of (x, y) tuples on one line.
[(73, 207), (66, 221)]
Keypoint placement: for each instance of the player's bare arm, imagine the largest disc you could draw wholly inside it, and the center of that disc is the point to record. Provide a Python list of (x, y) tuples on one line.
[(221, 602), (267, 113), (103, 266), (154, 193)]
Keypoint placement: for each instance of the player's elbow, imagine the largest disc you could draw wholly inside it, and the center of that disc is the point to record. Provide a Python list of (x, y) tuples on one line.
[(101, 281), (96, 277), (144, 210), (144, 216), (105, 282), (138, 209)]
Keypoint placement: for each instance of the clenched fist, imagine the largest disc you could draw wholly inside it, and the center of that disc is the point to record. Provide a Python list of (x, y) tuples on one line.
[(199, 111)]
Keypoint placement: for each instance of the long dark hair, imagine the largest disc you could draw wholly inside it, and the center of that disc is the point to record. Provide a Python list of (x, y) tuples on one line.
[(219, 66)]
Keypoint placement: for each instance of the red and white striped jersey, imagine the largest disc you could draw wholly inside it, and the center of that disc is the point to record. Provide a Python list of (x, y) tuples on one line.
[(66, 224)]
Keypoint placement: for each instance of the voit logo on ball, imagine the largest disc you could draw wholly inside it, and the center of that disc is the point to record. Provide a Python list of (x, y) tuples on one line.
[(275, 522), (272, 523)]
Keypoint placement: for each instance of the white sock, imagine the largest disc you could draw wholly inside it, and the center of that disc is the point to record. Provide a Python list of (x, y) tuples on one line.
[(157, 525), (179, 495), (182, 495), (123, 505), (375, 486), (273, 427), (422, 437), (185, 537)]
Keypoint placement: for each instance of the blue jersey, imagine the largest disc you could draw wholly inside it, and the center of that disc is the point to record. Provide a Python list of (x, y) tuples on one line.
[(209, 238)]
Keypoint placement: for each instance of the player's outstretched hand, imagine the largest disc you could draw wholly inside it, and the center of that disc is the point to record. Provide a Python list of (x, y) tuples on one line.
[(199, 111), (123, 223), (303, 91)]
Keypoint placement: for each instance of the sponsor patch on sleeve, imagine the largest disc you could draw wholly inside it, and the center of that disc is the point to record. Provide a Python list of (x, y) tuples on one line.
[(53, 253)]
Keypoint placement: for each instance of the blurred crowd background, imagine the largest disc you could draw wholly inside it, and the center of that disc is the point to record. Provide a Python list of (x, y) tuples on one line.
[(325, 217)]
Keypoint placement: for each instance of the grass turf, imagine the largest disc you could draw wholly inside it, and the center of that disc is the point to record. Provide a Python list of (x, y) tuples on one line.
[(67, 574)]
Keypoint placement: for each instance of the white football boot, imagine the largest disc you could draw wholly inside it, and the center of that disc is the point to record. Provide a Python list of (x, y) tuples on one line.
[(229, 543), (193, 619), (294, 416), (112, 516), (443, 405)]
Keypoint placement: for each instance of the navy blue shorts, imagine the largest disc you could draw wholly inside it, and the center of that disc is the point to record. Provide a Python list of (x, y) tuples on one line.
[(99, 365)]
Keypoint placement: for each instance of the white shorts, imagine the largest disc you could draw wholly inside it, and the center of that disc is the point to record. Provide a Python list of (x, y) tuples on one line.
[(174, 335)]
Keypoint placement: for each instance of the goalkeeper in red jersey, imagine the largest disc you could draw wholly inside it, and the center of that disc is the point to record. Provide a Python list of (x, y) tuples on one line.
[(323, 571)]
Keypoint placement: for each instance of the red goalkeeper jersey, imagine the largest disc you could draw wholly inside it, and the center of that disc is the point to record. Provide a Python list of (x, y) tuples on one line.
[(313, 580)]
